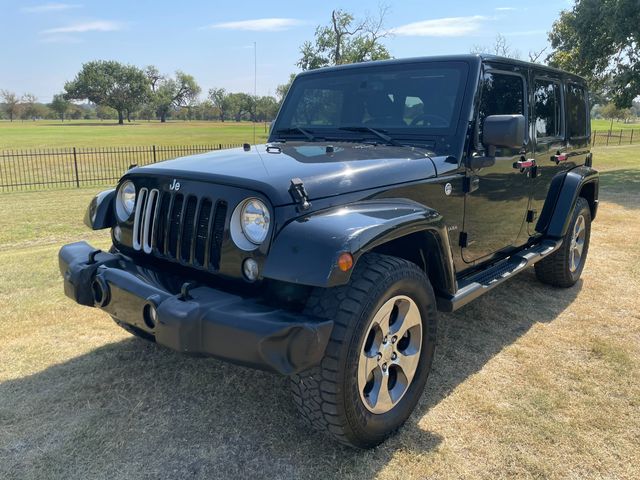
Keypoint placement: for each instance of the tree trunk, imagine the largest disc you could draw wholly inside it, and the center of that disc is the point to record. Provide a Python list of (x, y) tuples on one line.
[(163, 118), (120, 117)]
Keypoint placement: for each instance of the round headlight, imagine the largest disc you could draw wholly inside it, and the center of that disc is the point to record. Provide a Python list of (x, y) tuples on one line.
[(126, 200), (254, 220)]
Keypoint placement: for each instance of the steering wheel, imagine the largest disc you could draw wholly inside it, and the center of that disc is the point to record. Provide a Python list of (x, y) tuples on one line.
[(431, 120)]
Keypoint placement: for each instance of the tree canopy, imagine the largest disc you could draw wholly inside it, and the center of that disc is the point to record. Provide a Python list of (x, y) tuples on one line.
[(346, 40), (110, 83), (171, 93), (600, 40)]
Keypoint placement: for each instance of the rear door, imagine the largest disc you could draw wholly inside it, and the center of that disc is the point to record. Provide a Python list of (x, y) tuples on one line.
[(549, 140), (496, 210)]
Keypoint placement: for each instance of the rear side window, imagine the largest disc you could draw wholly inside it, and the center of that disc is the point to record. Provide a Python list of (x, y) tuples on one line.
[(547, 108), (576, 111), (502, 94)]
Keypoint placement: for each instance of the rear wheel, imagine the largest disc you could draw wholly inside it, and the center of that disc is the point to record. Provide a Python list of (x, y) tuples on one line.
[(379, 355), (564, 267)]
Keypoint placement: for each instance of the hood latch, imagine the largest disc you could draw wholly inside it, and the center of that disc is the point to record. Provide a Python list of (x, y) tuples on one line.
[(299, 194)]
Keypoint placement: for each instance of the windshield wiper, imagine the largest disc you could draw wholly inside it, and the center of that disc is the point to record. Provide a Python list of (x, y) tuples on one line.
[(377, 133), (306, 133)]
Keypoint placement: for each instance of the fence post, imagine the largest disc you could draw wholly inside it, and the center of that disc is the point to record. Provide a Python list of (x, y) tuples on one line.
[(620, 141), (631, 140), (593, 140), (219, 146), (608, 136), (75, 164), (154, 154)]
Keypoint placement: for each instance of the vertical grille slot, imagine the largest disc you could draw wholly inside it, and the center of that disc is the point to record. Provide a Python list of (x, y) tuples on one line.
[(149, 217), (174, 225), (160, 232), (217, 234), (138, 219), (187, 225), (202, 228)]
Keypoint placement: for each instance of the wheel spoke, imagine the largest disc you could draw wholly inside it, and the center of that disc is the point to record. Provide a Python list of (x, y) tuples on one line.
[(380, 396), (408, 363), (365, 367), (383, 316), (408, 317)]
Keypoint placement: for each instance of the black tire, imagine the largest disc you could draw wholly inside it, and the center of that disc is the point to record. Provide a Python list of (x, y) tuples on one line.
[(556, 269), (327, 396), (135, 331)]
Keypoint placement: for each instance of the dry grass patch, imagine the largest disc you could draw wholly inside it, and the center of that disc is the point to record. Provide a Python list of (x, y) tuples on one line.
[(528, 381)]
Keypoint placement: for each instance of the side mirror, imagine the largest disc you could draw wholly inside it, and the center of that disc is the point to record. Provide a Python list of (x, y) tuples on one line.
[(503, 131)]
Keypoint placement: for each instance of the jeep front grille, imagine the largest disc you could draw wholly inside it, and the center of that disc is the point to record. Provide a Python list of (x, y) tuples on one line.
[(180, 228)]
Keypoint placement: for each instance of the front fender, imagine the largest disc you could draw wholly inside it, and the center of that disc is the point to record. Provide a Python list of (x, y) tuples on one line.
[(306, 250), (558, 213), (99, 214)]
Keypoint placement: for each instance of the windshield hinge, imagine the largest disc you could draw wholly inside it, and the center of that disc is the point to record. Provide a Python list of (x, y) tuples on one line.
[(299, 194)]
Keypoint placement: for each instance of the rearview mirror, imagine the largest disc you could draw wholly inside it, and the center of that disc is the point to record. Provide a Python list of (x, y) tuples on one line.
[(503, 131)]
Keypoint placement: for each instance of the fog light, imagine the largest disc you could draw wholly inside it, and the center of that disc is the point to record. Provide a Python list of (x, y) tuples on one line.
[(117, 233), (150, 315), (250, 269)]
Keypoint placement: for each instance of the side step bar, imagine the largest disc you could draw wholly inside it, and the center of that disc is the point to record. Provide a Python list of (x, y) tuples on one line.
[(472, 287)]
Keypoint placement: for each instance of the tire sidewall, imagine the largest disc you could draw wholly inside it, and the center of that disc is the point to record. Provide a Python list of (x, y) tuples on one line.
[(582, 208)]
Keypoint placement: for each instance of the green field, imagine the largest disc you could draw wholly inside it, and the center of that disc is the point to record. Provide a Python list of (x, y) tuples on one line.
[(602, 125), (94, 133), (540, 384)]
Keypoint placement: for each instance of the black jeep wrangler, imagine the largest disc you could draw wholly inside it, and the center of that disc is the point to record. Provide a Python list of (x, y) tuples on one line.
[(387, 191)]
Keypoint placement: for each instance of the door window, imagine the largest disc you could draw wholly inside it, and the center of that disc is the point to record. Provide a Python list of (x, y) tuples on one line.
[(576, 111), (548, 116), (502, 94)]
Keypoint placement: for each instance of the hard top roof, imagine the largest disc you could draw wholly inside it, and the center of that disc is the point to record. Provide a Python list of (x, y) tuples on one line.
[(469, 58)]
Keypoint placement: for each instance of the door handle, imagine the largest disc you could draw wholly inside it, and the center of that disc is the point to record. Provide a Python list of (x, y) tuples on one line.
[(559, 157), (522, 164)]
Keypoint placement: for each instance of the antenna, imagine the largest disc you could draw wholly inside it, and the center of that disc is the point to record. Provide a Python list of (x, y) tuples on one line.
[(255, 89)]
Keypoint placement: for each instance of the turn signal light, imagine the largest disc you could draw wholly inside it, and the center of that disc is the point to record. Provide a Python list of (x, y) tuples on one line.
[(345, 261)]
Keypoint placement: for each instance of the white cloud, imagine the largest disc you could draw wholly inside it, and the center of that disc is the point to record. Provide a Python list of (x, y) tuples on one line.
[(505, 9), (50, 7), (441, 27), (96, 26), (259, 25)]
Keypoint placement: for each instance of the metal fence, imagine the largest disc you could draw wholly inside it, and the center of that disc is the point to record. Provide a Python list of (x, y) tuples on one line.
[(608, 138), (77, 167)]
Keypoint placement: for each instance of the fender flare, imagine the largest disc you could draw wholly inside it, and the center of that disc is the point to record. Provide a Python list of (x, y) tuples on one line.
[(306, 250), (562, 198), (99, 214)]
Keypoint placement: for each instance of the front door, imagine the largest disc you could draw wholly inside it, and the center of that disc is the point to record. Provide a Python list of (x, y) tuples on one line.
[(495, 211)]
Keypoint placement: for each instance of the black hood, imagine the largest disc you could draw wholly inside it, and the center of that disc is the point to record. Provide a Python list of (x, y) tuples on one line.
[(350, 167)]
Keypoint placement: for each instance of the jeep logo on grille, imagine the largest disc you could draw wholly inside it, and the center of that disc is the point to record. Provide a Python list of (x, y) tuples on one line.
[(175, 185)]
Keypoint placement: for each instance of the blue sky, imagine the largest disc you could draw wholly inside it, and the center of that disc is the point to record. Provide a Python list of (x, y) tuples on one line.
[(45, 43)]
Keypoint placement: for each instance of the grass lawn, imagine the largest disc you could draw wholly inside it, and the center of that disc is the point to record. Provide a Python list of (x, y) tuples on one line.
[(94, 133), (603, 125), (528, 381)]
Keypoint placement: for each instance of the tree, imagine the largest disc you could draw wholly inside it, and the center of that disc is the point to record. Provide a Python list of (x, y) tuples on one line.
[(110, 84), (11, 103), (29, 106), (105, 113), (346, 40), (241, 105), (220, 99), (599, 40), (266, 109), (60, 105), (282, 90), (500, 47), (168, 93)]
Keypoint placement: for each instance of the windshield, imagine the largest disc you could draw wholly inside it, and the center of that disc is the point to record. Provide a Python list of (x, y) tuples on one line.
[(398, 99)]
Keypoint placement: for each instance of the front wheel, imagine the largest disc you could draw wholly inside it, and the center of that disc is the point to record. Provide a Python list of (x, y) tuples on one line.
[(379, 355)]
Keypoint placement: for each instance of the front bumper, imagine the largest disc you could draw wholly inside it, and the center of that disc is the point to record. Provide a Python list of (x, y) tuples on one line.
[(196, 320)]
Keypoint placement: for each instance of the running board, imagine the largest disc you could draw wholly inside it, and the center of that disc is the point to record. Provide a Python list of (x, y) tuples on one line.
[(472, 287)]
